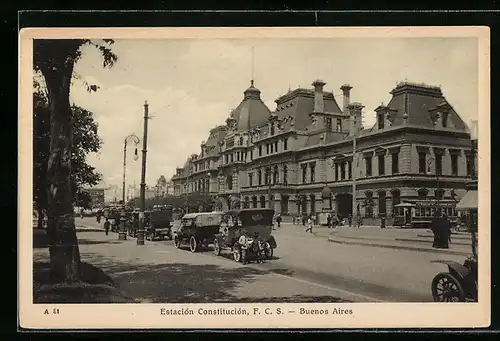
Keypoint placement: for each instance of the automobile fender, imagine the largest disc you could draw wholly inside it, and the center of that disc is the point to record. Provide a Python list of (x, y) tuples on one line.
[(272, 242), (218, 237), (455, 268)]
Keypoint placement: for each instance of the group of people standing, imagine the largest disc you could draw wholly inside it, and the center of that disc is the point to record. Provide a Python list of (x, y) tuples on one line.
[(332, 221)]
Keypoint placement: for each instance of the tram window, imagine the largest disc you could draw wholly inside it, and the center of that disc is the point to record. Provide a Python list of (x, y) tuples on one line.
[(428, 211), (417, 212), (433, 211)]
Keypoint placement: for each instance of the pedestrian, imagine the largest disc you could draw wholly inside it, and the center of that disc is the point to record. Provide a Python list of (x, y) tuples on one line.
[(434, 229), (445, 232), (293, 219), (309, 225), (304, 218), (106, 226), (329, 220), (278, 220), (359, 220), (349, 218), (334, 221)]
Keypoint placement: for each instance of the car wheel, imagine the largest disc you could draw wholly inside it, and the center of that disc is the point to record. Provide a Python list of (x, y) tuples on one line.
[(446, 288), (177, 242), (193, 244), (236, 253), (268, 251), (216, 247)]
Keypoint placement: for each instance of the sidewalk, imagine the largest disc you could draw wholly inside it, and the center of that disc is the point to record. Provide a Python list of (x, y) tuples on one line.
[(419, 240)]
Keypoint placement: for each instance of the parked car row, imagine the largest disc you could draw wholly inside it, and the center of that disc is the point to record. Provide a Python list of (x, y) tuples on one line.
[(246, 233)]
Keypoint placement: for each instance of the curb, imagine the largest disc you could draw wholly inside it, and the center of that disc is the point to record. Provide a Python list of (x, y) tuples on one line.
[(400, 247), (425, 241)]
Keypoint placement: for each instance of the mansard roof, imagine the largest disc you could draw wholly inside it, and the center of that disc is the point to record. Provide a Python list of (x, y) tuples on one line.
[(417, 101), (299, 103)]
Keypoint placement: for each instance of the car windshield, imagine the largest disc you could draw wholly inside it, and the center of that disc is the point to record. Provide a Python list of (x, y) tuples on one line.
[(257, 217), (187, 221)]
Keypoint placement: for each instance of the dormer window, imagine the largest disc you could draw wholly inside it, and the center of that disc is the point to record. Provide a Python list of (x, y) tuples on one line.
[(272, 129), (328, 123), (380, 121), (241, 140), (444, 120), (339, 125)]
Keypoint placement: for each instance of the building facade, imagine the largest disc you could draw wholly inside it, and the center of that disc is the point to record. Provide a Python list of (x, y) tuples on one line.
[(96, 195), (304, 156)]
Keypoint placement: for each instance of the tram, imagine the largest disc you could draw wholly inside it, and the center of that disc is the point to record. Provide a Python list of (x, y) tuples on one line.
[(419, 213)]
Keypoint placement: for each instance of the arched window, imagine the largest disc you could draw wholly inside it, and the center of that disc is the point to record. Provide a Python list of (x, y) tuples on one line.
[(275, 175), (396, 199), (369, 204), (254, 201), (382, 204), (246, 203), (312, 197), (262, 201)]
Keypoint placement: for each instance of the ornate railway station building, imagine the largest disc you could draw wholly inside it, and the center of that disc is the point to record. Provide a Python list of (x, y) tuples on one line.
[(304, 156)]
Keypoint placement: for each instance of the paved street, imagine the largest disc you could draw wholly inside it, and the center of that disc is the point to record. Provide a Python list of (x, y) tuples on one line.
[(306, 268)]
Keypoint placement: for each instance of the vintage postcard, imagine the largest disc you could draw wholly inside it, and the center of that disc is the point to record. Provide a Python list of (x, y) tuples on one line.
[(254, 178)]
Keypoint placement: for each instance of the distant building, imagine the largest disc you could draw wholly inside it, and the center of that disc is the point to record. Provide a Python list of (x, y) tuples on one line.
[(300, 158), (97, 196)]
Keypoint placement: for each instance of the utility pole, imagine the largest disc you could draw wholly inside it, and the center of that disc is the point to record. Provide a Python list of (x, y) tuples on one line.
[(140, 232), (269, 176)]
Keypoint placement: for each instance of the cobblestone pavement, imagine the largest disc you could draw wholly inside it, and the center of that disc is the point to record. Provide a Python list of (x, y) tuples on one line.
[(306, 268)]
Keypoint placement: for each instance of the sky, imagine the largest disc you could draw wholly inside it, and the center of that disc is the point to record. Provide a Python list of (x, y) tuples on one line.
[(191, 85)]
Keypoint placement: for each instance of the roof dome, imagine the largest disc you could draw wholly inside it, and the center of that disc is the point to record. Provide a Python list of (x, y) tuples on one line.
[(251, 112), (326, 192), (252, 92)]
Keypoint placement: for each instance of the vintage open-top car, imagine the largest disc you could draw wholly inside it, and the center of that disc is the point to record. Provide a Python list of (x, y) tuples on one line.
[(197, 229), (255, 224)]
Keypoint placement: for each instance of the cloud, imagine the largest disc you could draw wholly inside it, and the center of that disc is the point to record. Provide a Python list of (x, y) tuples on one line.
[(178, 124)]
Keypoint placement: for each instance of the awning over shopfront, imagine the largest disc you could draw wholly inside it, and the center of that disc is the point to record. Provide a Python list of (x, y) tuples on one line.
[(469, 201)]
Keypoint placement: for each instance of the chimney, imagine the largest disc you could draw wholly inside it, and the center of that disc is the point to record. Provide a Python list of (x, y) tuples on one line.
[(319, 103), (346, 91), (355, 110)]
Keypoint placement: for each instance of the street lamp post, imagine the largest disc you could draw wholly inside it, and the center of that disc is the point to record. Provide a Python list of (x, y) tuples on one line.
[(438, 190), (132, 138), (140, 232), (122, 235)]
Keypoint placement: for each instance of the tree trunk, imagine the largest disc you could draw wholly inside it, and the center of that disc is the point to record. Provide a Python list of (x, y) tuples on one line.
[(61, 232)]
